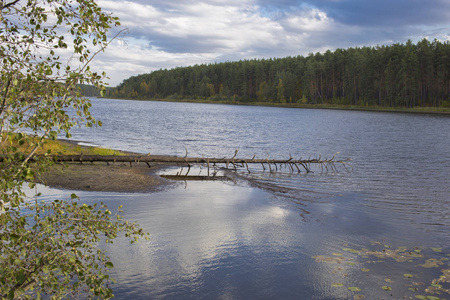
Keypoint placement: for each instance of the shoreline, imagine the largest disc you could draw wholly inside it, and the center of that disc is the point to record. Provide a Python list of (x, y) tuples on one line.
[(102, 177), (418, 110)]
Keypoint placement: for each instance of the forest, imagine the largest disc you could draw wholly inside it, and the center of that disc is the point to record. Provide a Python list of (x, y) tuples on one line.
[(90, 90), (397, 75)]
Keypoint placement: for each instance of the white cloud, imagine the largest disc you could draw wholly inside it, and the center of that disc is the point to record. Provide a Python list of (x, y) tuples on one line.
[(309, 20)]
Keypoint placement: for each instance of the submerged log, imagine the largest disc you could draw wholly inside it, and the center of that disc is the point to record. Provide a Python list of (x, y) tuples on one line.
[(226, 163)]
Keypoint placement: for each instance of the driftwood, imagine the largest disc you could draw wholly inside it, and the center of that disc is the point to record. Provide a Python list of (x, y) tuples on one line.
[(293, 165)]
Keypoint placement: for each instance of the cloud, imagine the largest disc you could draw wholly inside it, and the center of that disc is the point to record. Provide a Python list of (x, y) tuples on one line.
[(167, 34), (373, 13), (200, 28)]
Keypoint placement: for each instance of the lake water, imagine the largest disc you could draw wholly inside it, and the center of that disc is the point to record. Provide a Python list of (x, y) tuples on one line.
[(280, 235)]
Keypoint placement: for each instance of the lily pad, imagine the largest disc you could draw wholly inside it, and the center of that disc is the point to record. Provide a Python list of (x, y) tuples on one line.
[(365, 270), (354, 289), (433, 298), (421, 297), (337, 254), (437, 249), (388, 280), (408, 275), (386, 288), (337, 284)]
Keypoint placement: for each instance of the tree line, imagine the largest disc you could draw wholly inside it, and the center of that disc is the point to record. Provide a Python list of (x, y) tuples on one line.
[(88, 90), (398, 75)]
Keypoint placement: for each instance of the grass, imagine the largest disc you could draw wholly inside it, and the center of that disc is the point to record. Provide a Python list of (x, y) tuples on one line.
[(57, 147), (67, 148)]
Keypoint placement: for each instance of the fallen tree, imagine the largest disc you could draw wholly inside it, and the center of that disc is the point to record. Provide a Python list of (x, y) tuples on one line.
[(294, 165)]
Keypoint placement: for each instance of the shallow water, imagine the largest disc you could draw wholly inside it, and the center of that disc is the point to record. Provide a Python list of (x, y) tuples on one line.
[(256, 239), (214, 240)]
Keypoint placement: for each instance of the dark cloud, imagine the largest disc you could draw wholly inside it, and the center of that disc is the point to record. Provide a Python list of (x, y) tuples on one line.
[(189, 44), (385, 13), (380, 13)]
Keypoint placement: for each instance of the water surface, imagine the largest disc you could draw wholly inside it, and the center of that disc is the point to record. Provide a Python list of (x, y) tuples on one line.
[(257, 239)]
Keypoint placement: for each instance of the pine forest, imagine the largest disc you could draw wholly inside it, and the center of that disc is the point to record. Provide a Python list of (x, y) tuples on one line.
[(398, 75)]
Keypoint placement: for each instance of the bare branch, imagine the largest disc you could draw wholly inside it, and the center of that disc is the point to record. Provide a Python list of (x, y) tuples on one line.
[(8, 4)]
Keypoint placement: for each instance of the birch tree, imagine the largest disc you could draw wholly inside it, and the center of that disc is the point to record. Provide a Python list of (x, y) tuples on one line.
[(50, 248)]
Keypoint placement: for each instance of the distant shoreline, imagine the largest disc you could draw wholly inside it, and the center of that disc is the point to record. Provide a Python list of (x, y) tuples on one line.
[(417, 110)]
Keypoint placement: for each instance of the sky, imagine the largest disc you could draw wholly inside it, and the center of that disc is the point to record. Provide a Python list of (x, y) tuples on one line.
[(164, 34)]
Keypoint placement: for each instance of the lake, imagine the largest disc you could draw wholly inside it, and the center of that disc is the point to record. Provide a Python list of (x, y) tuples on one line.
[(284, 235)]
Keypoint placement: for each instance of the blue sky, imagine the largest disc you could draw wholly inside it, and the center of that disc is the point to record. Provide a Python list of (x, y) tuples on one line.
[(173, 33)]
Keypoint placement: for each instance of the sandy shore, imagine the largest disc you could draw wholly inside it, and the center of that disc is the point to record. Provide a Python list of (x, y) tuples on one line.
[(103, 177)]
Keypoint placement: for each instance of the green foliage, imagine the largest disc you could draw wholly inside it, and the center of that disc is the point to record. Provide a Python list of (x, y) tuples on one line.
[(400, 75), (92, 91), (53, 249), (49, 248)]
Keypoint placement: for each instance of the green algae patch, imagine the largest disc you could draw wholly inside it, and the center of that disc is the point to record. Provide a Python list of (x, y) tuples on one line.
[(413, 258)]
